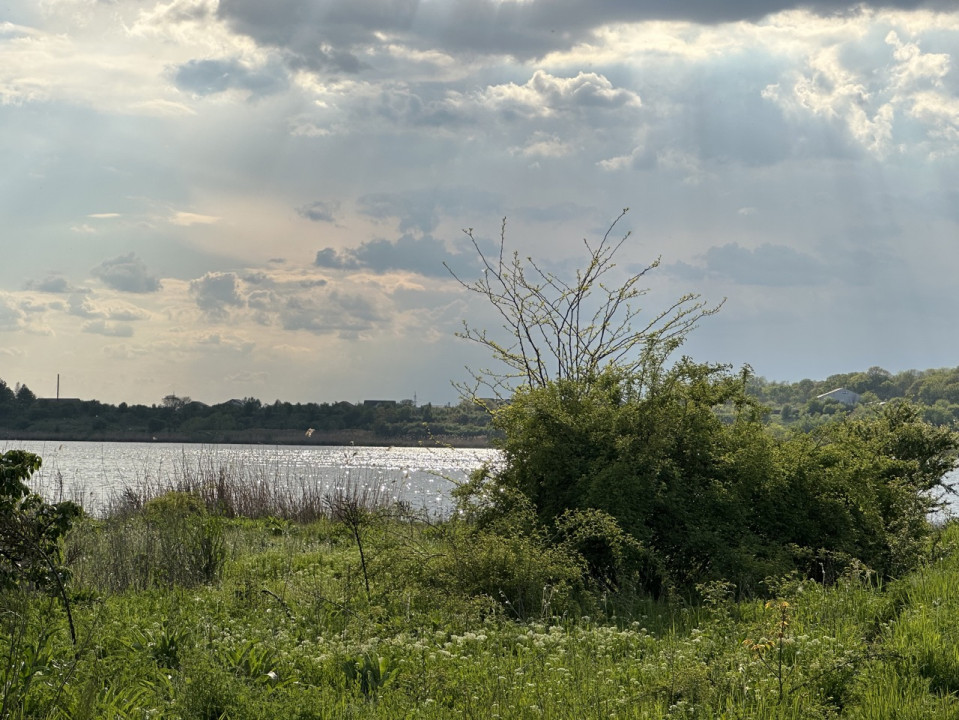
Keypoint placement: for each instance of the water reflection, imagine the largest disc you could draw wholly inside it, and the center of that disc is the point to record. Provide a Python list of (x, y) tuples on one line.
[(92, 473)]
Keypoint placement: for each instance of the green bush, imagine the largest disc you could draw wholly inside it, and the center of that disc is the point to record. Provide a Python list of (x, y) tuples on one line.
[(173, 540), (690, 474), (30, 528)]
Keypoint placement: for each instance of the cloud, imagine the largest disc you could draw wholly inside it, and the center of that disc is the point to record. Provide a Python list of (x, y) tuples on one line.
[(110, 329), (54, 284), (83, 305), (215, 292), (425, 255), (887, 96), (767, 265), (543, 145), (209, 77), (423, 209), (185, 219), (127, 273), (317, 35), (346, 314), (334, 36), (546, 94), (11, 316), (232, 344), (330, 258), (319, 211)]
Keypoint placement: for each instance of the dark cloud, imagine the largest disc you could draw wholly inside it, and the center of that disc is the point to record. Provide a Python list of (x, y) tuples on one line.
[(425, 255), (319, 211), (214, 293), (318, 35), (772, 265), (335, 312), (127, 273), (330, 258), (208, 77), (330, 35)]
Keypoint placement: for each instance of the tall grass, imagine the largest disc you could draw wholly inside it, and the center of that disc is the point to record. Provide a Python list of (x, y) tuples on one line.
[(233, 489)]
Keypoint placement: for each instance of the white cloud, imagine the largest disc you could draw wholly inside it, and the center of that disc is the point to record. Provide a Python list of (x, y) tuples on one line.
[(186, 219), (544, 95), (870, 100)]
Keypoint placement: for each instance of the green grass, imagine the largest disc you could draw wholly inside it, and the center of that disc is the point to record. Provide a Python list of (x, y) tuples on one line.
[(284, 628)]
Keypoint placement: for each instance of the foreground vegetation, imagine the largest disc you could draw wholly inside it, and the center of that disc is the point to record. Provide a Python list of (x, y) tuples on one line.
[(368, 612)]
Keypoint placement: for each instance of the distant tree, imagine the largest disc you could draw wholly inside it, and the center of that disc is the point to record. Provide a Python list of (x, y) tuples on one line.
[(173, 402), (6, 394), (24, 395), (814, 407), (805, 387)]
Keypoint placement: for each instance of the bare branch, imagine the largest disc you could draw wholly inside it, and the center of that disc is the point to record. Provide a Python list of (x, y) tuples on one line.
[(546, 318)]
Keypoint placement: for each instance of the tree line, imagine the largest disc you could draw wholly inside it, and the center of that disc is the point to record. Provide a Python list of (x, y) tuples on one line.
[(176, 418), (798, 405), (793, 405)]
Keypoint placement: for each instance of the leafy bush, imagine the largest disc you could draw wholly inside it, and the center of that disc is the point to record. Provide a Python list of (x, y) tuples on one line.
[(30, 528), (701, 497), (173, 540)]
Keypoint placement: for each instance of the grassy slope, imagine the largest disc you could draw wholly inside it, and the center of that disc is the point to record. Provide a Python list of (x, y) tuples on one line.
[(288, 631)]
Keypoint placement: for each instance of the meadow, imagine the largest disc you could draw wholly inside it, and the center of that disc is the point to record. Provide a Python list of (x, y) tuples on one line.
[(188, 605)]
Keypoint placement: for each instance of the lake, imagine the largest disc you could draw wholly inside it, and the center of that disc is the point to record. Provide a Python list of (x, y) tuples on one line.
[(93, 472)]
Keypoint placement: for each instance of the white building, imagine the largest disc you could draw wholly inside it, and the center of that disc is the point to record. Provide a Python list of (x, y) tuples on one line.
[(846, 397)]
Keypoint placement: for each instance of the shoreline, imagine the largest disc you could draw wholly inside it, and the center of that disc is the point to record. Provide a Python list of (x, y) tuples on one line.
[(365, 438)]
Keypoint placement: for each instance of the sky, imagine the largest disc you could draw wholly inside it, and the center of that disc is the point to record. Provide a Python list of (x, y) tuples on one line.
[(235, 198)]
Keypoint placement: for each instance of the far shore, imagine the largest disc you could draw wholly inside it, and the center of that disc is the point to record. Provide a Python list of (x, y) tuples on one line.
[(258, 437)]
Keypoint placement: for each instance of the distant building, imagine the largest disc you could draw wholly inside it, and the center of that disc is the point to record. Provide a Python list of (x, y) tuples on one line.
[(842, 395), (379, 403)]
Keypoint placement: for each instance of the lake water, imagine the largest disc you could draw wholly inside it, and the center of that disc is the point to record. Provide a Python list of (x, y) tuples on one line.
[(93, 472)]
